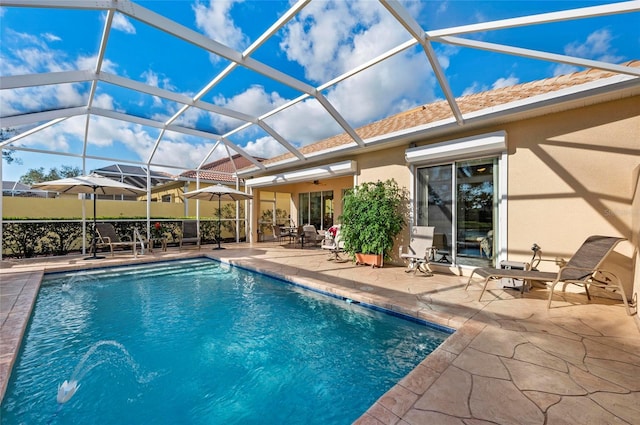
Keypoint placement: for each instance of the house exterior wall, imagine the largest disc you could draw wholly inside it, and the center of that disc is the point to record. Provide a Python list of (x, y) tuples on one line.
[(570, 175)]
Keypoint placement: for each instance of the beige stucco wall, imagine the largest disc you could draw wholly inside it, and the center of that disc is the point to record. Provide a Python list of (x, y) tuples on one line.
[(37, 208), (571, 176), (71, 207)]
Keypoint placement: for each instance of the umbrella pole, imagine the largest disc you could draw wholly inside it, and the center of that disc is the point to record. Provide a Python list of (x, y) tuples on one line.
[(219, 219), (94, 234)]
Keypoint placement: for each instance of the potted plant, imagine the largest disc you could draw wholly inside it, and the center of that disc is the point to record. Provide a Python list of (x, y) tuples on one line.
[(372, 216)]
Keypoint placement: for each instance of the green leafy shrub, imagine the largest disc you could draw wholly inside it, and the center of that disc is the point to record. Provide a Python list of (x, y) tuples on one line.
[(372, 216)]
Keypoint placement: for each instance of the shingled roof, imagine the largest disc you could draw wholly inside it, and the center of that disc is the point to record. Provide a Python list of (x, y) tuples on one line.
[(222, 170), (438, 111)]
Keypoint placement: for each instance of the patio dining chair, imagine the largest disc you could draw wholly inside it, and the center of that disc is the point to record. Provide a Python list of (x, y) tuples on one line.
[(280, 234), (298, 236), (108, 237), (583, 269)]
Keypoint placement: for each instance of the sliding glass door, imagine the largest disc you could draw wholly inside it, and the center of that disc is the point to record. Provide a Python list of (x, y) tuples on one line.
[(316, 208), (275, 210), (459, 200), (435, 206)]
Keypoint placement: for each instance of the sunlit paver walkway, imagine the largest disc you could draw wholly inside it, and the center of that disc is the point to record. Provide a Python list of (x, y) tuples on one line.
[(511, 361)]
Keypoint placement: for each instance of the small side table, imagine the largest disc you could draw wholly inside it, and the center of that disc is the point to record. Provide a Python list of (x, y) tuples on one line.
[(163, 243)]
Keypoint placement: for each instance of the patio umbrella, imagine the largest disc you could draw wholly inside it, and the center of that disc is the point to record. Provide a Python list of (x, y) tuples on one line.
[(92, 183), (218, 192)]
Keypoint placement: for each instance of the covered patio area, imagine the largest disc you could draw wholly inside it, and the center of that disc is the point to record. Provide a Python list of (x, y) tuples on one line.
[(510, 360)]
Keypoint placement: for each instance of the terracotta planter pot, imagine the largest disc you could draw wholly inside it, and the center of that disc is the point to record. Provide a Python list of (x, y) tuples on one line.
[(374, 260)]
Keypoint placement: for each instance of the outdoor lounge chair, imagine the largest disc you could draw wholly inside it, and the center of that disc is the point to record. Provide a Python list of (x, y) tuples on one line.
[(311, 235), (582, 269), (334, 245), (420, 250), (107, 237), (190, 233)]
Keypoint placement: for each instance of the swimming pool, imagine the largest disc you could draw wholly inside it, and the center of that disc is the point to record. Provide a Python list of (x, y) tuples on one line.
[(201, 342)]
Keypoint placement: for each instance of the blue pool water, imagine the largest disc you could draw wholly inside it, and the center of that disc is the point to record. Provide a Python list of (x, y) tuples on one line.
[(200, 342)]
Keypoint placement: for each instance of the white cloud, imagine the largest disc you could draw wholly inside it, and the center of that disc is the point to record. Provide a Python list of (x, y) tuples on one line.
[(67, 136), (597, 46), (64, 137), (176, 149), (104, 101), (254, 101), (32, 54), (303, 123), (265, 147), (505, 82), (50, 37), (476, 87), (442, 7), (379, 92), (37, 60), (150, 78), (40, 98), (90, 62), (122, 23), (564, 69), (190, 117), (216, 22), (329, 37)]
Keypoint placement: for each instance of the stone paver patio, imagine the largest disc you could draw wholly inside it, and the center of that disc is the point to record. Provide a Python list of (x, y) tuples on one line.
[(510, 361)]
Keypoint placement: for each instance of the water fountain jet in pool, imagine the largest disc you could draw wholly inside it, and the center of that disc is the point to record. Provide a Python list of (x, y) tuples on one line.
[(68, 388)]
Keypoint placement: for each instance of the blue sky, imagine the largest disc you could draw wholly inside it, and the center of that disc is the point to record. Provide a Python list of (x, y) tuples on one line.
[(323, 41)]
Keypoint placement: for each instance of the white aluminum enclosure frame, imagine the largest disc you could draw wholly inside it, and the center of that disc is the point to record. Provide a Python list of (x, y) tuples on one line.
[(416, 36)]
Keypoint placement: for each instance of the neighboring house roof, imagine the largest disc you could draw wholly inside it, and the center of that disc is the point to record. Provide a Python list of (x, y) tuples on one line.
[(222, 170), (133, 175), (21, 189), (9, 185), (439, 111)]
